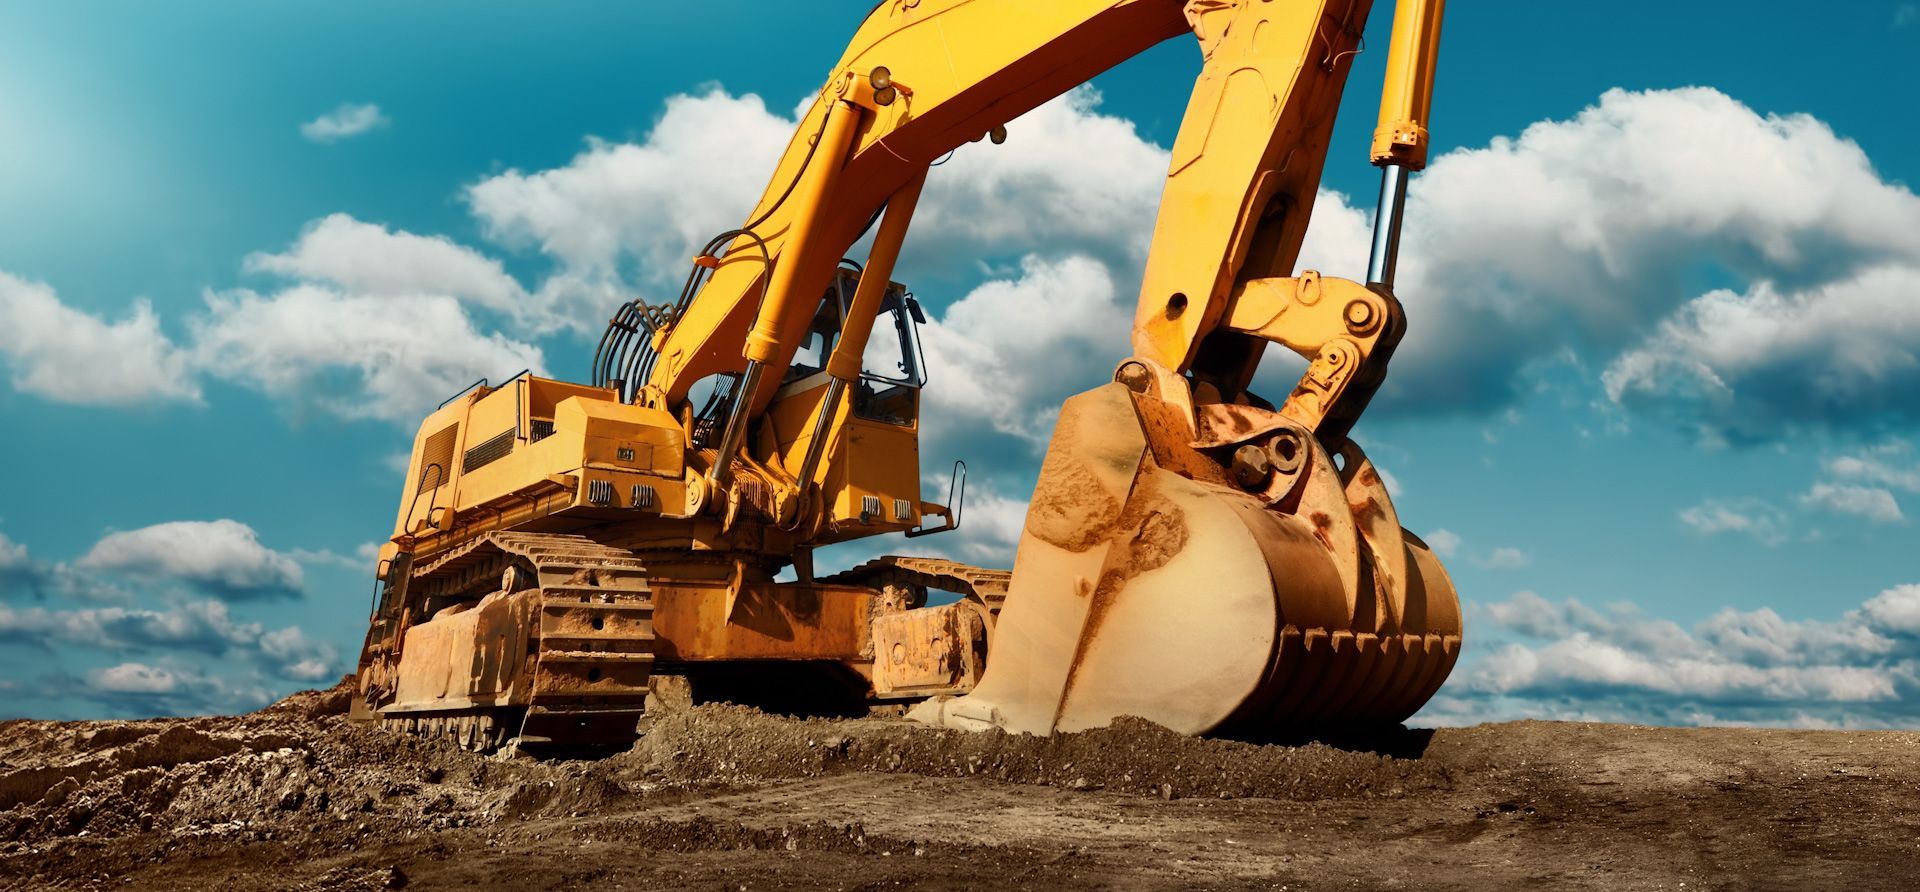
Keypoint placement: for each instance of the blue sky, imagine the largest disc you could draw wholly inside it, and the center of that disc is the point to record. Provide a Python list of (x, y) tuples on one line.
[(1659, 396)]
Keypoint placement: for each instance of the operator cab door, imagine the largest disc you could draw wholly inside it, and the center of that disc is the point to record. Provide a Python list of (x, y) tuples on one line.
[(871, 471)]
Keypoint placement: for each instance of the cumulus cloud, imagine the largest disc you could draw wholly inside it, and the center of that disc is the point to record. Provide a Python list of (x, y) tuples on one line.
[(1860, 484), (1757, 518), (1896, 610), (66, 355), (223, 557), (353, 355), (370, 259), (1561, 659), (1760, 363), (1071, 179), (1869, 502), (1577, 238), (139, 689), (378, 324), (1583, 234), (1887, 464), (995, 363), (344, 122), (641, 208), (1068, 177), (203, 627), (1445, 543), (13, 555), (134, 678), (1504, 558), (157, 579)]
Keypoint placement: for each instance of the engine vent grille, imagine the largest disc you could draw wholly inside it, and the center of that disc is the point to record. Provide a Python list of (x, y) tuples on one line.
[(870, 509), (539, 429), (645, 497), (436, 458), (600, 492), (902, 509), (486, 453)]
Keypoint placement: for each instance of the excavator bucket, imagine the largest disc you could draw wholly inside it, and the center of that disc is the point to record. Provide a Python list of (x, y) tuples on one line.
[(1264, 596)]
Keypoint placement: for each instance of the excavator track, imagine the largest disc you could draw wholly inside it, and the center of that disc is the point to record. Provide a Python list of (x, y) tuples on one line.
[(585, 614), (983, 586)]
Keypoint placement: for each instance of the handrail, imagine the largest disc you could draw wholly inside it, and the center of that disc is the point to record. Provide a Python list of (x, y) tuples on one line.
[(443, 404), (955, 506)]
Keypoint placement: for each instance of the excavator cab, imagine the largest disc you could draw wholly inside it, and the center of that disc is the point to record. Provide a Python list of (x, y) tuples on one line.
[(893, 368)]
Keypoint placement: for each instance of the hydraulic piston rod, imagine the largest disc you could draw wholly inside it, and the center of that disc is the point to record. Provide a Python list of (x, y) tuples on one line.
[(1386, 226), (1400, 142)]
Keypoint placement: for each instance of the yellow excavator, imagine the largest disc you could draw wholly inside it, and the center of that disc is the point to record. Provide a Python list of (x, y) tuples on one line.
[(568, 555)]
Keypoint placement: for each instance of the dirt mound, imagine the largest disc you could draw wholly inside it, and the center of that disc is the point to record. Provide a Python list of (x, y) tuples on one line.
[(296, 796), (278, 769), (298, 766), (730, 744)]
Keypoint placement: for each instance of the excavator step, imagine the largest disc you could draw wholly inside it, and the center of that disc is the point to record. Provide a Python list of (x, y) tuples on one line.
[(593, 656)]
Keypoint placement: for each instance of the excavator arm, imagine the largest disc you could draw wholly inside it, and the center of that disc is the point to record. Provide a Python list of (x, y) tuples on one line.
[(921, 78), (918, 80)]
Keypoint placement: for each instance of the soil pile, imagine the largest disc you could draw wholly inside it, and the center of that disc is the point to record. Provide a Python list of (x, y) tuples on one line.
[(738, 745), (296, 796)]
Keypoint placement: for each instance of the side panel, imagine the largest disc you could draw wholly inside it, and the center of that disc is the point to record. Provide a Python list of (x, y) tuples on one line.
[(769, 621), (475, 656), (879, 461)]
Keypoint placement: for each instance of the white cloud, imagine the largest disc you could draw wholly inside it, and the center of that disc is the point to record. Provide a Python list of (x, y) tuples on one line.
[(298, 655), (1584, 234), (193, 627), (649, 205), (989, 531), (376, 326), (369, 259), (66, 355), (1445, 543), (1861, 501), (1897, 610), (1575, 237), (222, 556), (134, 678), (1505, 558), (1068, 178), (1736, 667), (353, 355), (222, 662), (1752, 517), (1764, 362), (1006, 355), (344, 122), (13, 555), (357, 560), (1887, 464)]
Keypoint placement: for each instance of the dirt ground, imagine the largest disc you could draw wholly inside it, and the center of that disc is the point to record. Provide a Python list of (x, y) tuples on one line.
[(296, 797)]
